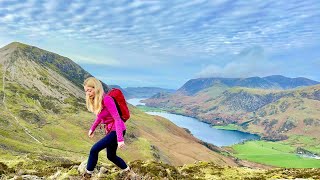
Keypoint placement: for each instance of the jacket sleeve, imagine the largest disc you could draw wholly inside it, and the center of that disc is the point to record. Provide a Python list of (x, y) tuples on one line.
[(95, 124), (98, 120), (112, 108)]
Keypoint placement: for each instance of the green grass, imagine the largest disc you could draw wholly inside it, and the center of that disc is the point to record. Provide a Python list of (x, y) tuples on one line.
[(228, 127), (306, 142), (176, 110), (149, 109), (143, 147), (1, 77), (65, 135), (273, 153), (214, 91), (238, 89)]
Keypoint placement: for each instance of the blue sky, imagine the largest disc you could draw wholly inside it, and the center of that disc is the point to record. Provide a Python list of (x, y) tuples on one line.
[(165, 43)]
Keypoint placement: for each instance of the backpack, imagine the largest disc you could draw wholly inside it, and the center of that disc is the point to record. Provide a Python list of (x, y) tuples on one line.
[(120, 102)]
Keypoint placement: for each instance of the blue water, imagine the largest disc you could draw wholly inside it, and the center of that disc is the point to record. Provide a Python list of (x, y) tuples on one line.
[(136, 101), (204, 131)]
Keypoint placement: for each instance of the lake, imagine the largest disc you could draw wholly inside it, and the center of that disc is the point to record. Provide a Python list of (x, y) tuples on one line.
[(136, 101), (201, 130)]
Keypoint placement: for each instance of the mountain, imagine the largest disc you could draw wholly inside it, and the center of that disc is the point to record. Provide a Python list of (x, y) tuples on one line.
[(270, 82), (273, 114), (125, 93), (44, 119), (288, 83), (145, 92)]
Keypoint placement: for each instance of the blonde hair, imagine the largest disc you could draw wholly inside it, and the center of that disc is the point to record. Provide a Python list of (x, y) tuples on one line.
[(94, 105)]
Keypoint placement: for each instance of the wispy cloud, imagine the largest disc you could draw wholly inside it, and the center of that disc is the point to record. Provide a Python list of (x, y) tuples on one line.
[(178, 28), (249, 62), (94, 60), (173, 38), (139, 80)]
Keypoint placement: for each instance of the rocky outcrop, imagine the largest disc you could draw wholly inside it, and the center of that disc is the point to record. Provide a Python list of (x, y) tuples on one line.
[(147, 170)]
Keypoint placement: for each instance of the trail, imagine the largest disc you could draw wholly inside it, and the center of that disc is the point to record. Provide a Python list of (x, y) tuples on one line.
[(26, 130)]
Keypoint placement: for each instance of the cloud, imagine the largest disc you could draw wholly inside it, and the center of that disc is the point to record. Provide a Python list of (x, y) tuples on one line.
[(169, 28), (249, 62), (94, 60), (174, 37)]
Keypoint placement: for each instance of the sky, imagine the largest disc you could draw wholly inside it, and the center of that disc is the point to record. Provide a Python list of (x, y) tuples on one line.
[(162, 43)]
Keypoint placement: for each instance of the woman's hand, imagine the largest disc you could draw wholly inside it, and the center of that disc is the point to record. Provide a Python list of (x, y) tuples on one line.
[(121, 145), (90, 134)]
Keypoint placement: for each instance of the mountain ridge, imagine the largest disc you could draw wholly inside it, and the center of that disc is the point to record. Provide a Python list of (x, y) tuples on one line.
[(146, 92), (273, 114), (193, 86)]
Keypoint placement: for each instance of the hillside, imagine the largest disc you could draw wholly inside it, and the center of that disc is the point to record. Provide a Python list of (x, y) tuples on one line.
[(193, 86), (145, 92), (273, 114), (43, 117)]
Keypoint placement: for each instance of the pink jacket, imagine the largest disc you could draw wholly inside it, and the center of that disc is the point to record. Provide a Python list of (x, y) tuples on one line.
[(109, 115)]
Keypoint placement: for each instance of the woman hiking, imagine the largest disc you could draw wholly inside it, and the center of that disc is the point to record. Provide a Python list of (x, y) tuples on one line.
[(103, 105)]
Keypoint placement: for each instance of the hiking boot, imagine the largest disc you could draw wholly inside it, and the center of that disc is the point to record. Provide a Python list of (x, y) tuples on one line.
[(86, 176), (128, 175)]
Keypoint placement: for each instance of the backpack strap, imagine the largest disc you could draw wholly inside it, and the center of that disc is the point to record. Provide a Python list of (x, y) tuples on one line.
[(105, 125), (109, 130)]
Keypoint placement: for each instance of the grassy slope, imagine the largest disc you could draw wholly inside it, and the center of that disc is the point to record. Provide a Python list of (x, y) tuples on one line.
[(307, 142), (146, 109), (282, 153), (148, 138), (65, 135), (278, 154), (228, 127)]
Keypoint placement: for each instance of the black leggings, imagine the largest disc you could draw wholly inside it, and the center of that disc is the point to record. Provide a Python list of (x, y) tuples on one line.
[(109, 142)]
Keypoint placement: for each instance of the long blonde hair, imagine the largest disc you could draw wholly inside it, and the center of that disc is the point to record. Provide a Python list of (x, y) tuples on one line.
[(94, 105)]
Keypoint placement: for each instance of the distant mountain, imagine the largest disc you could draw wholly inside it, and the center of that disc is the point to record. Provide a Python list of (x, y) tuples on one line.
[(276, 107), (146, 92), (125, 93), (270, 82), (43, 118), (288, 83), (274, 114)]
